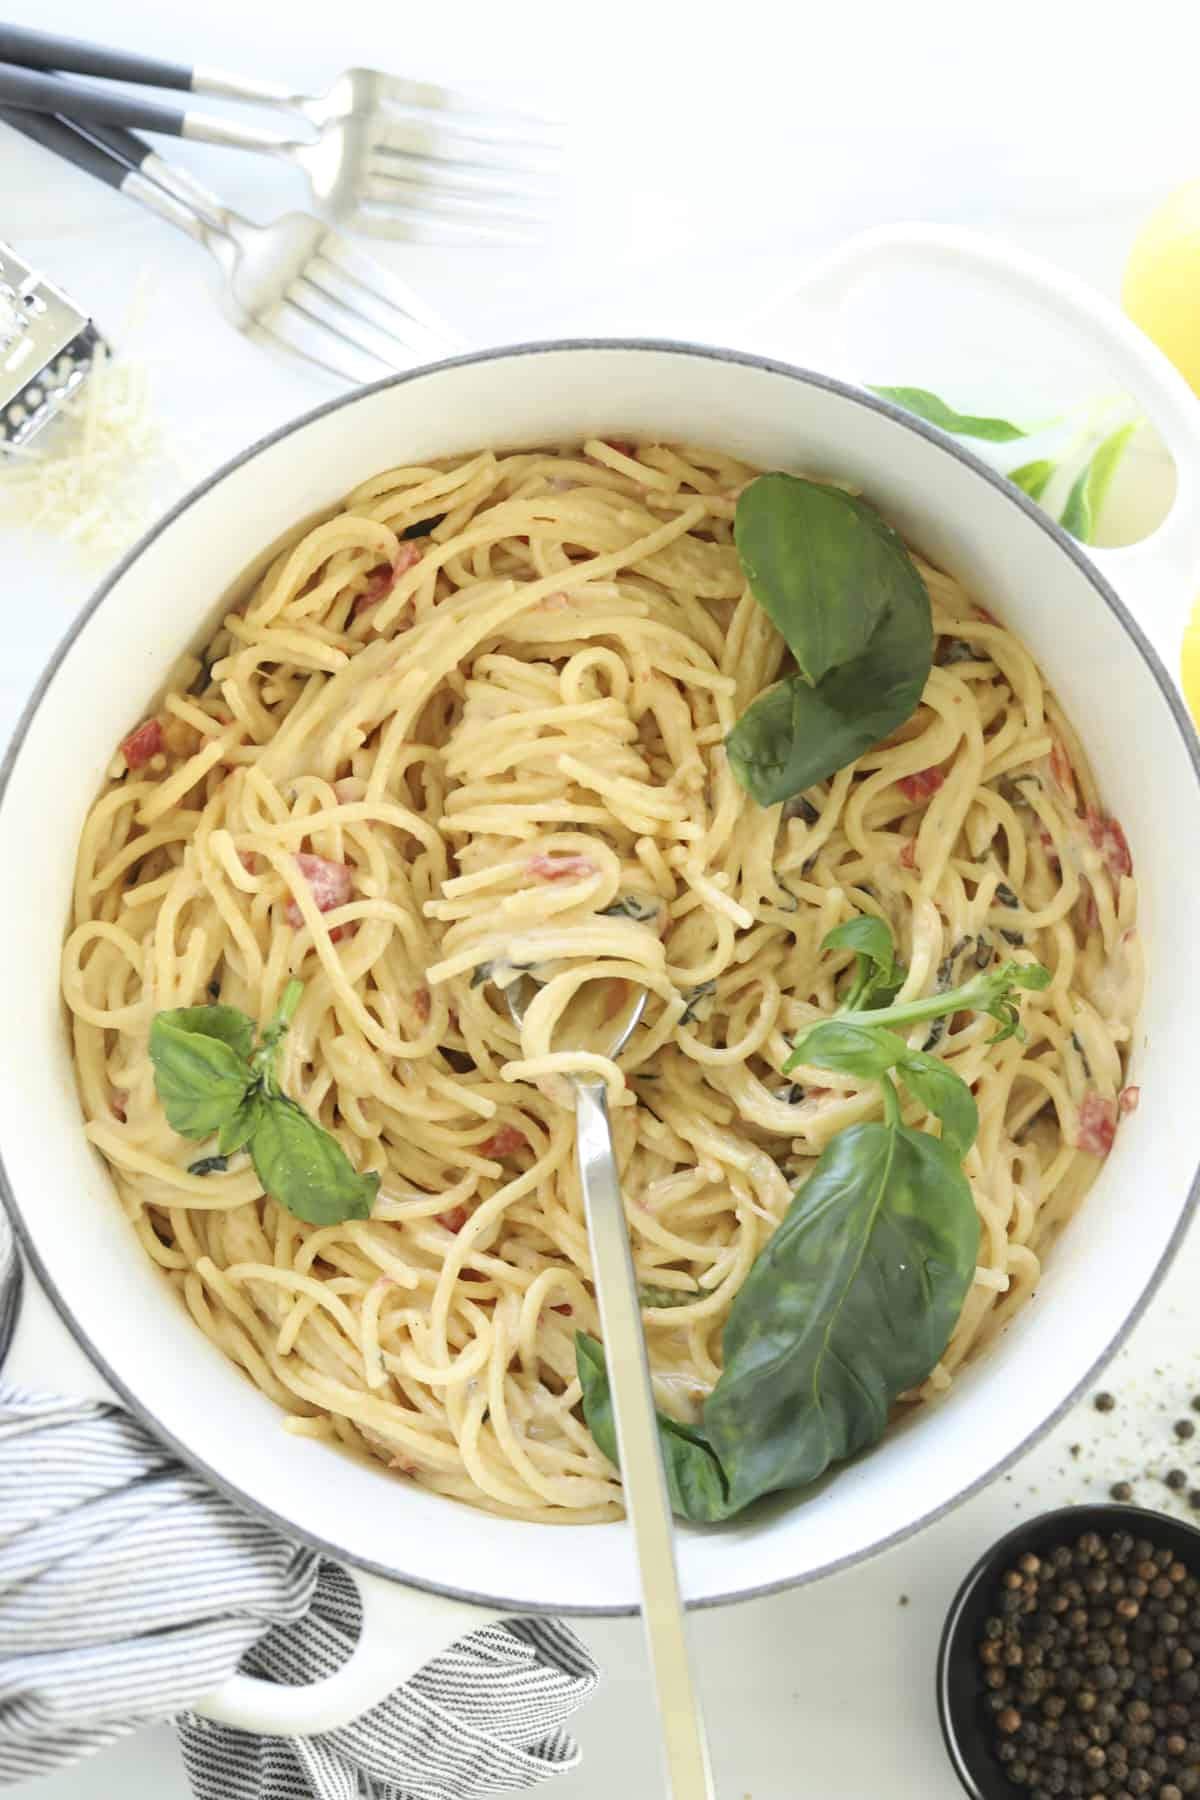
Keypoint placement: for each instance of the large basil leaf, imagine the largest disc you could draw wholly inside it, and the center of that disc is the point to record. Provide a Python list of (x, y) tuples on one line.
[(796, 734), (850, 1303), (694, 1479), (303, 1166), (201, 1078), (929, 406), (823, 567)]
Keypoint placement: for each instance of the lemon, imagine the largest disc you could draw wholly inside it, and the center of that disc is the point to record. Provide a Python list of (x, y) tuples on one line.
[(1161, 289)]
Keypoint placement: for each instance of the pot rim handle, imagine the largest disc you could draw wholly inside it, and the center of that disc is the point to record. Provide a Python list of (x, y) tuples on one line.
[(1159, 576), (403, 1628)]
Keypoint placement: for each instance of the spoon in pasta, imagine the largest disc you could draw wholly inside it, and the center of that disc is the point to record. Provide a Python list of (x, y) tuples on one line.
[(589, 1026)]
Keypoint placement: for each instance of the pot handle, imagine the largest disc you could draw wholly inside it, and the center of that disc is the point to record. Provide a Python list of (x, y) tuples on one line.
[(1159, 578), (403, 1628)]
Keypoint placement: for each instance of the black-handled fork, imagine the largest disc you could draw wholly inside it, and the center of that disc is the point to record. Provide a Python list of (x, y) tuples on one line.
[(295, 282), (429, 169)]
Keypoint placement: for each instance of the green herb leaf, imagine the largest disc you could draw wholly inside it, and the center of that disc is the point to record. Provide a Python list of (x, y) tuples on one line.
[(864, 1051), (201, 1078), (822, 567), (1091, 485), (794, 735), (879, 976), (226, 1023), (851, 1302), (928, 406), (263, 1060), (238, 1129), (1033, 478), (649, 1295), (944, 1094), (303, 1167), (991, 992), (694, 1479)]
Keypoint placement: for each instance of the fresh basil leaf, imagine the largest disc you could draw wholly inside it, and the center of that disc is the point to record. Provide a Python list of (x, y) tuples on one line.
[(226, 1023), (694, 1479), (822, 567), (865, 1051), (944, 1094), (1091, 485), (929, 406), (649, 1295), (201, 1079), (305, 1169), (850, 1303), (239, 1128), (1033, 478), (209, 1165), (879, 976)]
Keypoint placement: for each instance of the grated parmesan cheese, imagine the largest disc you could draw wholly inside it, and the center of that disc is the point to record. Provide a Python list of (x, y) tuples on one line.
[(100, 473)]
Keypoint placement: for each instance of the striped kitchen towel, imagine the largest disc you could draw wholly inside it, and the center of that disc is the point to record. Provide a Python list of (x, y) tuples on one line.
[(128, 1587)]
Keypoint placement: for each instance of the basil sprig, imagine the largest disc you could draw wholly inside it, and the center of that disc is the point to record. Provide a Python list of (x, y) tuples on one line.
[(842, 590), (211, 1077), (854, 1298)]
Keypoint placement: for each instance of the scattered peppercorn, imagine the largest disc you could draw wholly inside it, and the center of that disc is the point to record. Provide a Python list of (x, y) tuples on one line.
[(1176, 1478), (1184, 1428), (1107, 1402), (1088, 1656), (1121, 1490)]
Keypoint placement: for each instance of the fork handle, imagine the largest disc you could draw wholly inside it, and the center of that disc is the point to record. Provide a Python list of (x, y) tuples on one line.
[(72, 144), (681, 1727), (44, 50), (39, 91)]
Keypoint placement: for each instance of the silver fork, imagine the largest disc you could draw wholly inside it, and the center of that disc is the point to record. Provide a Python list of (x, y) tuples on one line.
[(390, 157), (295, 282), (588, 1026)]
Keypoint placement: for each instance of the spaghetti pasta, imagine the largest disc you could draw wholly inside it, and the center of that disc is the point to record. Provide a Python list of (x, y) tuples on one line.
[(471, 724)]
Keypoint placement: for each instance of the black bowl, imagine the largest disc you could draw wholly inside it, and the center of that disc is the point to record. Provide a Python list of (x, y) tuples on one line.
[(960, 1689)]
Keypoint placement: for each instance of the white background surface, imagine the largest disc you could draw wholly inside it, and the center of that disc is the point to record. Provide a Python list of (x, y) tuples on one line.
[(714, 150)]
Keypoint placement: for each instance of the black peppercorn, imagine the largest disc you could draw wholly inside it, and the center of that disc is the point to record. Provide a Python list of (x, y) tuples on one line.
[(1176, 1478), (1121, 1491), (1184, 1428), (1107, 1402)]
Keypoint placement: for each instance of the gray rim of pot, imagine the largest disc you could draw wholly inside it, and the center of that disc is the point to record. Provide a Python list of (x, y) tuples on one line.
[(803, 378)]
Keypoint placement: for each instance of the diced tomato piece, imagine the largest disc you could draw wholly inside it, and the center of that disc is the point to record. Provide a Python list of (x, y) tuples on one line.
[(338, 932), (422, 1004), (249, 861), (455, 1219), (382, 580), (559, 868), (922, 784), (117, 1104), (1097, 1124), (908, 856), (1106, 834), (1129, 1099), (1052, 856), (565, 1310), (330, 883), (142, 744), (504, 1141), (1063, 773)]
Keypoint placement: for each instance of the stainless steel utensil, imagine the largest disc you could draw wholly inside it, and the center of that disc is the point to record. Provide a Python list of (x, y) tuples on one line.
[(295, 282), (646, 1500), (389, 157), (47, 347)]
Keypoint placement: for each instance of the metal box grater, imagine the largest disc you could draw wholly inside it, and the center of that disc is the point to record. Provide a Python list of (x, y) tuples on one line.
[(47, 347)]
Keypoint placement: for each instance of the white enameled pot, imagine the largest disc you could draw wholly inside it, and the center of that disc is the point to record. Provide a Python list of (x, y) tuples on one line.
[(427, 1568)]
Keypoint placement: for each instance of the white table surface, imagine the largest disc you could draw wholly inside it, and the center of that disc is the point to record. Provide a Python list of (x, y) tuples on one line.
[(714, 150)]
